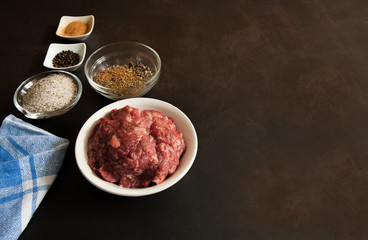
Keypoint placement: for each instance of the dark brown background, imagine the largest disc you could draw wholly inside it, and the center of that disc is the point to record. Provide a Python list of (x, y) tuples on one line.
[(277, 91)]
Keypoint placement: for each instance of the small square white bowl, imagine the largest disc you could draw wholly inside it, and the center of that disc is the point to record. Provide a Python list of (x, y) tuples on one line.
[(65, 20), (55, 48)]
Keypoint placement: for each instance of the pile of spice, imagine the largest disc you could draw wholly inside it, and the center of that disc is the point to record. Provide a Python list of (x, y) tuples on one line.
[(50, 93), (65, 58), (75, 28), (122, 77)]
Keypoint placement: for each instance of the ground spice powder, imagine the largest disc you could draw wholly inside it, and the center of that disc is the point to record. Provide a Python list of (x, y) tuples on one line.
[(75, 28), (126, 76)]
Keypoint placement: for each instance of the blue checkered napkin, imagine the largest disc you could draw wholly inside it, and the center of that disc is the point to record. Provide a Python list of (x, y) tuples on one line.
[(30, 159)]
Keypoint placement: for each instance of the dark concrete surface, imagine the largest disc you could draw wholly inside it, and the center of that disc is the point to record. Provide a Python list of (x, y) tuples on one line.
[(277, 91)]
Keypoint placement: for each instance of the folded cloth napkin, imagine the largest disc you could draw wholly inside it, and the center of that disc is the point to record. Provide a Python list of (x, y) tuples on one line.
[(30, 159)]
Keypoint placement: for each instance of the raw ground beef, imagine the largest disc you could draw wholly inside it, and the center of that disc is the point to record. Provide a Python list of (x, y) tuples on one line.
[(134, 148)]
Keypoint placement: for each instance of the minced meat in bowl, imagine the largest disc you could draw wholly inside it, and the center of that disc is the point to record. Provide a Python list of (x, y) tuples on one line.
[(136, 147)]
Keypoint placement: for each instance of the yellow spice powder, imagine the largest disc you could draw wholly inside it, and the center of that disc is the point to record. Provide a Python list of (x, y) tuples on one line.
[(75, 28)]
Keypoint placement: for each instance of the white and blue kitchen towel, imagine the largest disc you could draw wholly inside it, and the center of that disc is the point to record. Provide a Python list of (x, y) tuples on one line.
[(30, 159)]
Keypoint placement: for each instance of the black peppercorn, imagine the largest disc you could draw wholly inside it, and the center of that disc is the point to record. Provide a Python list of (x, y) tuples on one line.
[(66, 58)]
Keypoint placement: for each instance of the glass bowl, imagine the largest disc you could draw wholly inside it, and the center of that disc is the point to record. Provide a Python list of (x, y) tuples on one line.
[(122, 53), (182, 123), (27, 84)]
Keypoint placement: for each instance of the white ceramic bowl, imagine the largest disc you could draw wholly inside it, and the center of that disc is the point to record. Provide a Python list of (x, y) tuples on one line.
[(65, 20), (182, 123), (56, 48)]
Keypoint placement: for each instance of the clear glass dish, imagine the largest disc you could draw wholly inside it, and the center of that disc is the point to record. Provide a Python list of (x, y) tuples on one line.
[(122, 53), (27, 84)]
